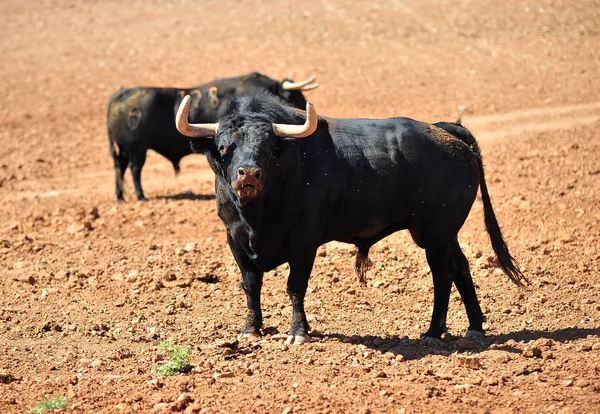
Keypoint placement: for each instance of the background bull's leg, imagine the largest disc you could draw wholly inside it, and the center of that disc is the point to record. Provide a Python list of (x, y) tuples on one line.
[(121, 160), (464, 284), (297, 284), (136, 162), (252, 278), (442, 268)]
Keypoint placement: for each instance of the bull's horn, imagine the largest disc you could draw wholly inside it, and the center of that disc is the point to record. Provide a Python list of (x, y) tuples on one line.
[(305, 85), (310, 86), (299, 131), (192, 130)]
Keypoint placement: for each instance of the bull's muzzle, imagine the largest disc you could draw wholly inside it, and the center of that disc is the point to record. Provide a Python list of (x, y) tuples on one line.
[(248, 183)]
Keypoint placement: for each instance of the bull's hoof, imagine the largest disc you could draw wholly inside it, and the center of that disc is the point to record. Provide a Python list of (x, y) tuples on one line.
[(248, 337), (142, 199), (298, 339), (471, 334), (431, 341)]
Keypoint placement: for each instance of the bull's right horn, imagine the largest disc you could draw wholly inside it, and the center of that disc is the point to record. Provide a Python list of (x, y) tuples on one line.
[(299, 131), (192, 130), (304, 85)]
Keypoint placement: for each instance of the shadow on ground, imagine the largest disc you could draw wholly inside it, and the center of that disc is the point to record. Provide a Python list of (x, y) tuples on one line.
[(417, 348), (187, 196)]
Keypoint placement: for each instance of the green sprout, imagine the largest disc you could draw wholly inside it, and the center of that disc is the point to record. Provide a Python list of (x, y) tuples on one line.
[(180, 360), (56, 403)]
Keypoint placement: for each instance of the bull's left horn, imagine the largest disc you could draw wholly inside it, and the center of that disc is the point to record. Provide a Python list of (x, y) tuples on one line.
[(299, 131), (192, 130), (305, 85)]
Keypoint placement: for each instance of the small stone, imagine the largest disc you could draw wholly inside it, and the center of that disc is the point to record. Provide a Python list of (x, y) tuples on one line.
[(491, 381), (95, 363), (190, 247), (161, 408), (469, 362), (132, 276), (532, 352), (194, 408), (181, 402), (218, 375), (567, 383), (60, 275)]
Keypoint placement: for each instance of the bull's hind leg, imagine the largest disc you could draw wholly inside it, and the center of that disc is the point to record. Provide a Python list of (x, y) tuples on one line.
[(121, 159), (441, 263), (464, 284), (300, 268), (137, 161)]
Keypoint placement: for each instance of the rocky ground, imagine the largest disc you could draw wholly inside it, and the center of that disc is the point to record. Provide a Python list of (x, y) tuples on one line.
[(90, 288)]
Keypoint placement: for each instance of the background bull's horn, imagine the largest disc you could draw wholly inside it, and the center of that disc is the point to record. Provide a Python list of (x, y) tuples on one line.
[(299, 131), (305, 85), (192, 130)]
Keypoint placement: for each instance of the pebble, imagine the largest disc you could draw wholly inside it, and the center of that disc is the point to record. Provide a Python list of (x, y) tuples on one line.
[(162, 408), (181, 402), (132, 276), (469, 362), (532, 352), (218, 375)]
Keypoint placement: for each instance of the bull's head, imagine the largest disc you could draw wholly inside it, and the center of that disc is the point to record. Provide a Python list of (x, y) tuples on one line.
[(246, 146)]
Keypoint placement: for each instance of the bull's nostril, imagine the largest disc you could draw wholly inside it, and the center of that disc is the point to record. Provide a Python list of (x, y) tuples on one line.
[(241, 171), (257, 174)]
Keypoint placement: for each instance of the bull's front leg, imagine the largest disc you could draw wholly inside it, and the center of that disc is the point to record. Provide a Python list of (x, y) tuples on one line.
[(300, 269), (252, 278)]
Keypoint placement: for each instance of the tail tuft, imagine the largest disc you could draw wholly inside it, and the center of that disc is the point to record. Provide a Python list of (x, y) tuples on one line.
[(362, 265)]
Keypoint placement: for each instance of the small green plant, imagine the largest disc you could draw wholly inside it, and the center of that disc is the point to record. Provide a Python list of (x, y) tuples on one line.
[(55, 403), (180, 359)]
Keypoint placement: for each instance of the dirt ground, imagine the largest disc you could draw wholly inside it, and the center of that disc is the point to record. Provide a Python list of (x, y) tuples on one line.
[(89, 288)]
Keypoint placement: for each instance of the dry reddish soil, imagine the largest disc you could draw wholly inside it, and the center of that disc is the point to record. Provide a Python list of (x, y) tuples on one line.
[(89, 288)]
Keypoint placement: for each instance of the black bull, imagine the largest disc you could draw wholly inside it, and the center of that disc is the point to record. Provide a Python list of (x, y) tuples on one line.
[(352, 180), (143, 118)]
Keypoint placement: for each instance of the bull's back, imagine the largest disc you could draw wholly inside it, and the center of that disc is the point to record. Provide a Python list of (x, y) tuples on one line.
[(387, 171)]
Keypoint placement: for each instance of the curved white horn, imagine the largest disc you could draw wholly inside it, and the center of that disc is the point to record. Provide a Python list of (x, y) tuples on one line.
[(310, 86), (294, 86), (299, 131), (192, 130)]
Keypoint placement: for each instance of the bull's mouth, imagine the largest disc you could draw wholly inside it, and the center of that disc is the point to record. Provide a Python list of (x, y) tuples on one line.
[(247, 190)]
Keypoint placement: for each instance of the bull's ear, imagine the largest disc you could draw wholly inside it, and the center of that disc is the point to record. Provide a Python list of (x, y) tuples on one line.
[(203, 145)]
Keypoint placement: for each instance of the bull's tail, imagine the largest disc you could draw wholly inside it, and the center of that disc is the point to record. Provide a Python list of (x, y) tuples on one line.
[(113, 148), (507, 262), (114, 153)]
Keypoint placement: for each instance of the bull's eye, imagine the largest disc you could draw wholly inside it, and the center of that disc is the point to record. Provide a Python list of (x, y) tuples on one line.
[(222, 150)]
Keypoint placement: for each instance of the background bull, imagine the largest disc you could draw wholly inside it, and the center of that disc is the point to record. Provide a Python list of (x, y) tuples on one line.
[(351, 180), (143, 118)]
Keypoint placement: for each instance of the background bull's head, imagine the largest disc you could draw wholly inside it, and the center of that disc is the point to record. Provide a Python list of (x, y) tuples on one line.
[(245, 146)]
